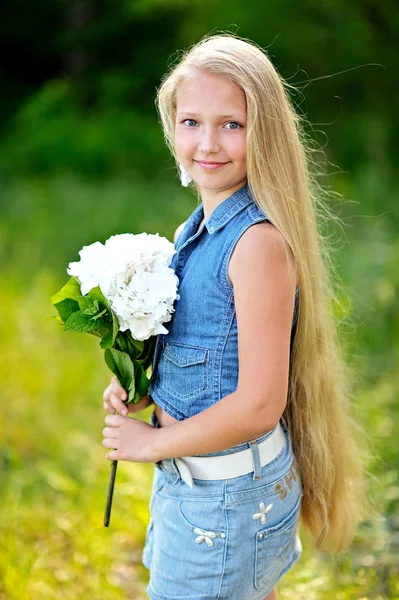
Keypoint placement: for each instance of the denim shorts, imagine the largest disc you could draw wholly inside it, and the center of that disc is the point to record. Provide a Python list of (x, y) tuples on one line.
[(229, 539)]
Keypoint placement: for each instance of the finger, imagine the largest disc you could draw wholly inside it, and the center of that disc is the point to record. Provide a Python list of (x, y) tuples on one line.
[(112, 455), (115, 420), (118, 404), (118, 390), (110, 443), (106, 393), (109, 408), (115, 383), (109, 432)]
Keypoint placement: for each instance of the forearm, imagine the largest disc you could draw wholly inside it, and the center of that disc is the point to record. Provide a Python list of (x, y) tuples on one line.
[(231, 421)]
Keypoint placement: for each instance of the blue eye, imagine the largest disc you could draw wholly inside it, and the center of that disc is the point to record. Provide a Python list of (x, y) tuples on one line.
[(189, 120), (229, 122)]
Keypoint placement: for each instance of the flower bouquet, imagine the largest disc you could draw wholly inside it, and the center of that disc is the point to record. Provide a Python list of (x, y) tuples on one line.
[(122, 292)]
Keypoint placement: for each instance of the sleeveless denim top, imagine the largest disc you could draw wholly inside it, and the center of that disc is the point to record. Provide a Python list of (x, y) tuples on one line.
[(196, 363)]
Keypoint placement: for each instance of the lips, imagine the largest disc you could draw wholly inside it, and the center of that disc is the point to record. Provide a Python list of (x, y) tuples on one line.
[(206, 162), (210, 166)]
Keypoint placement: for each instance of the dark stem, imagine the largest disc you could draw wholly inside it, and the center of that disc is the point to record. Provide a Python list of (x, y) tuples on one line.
[(110, 494)]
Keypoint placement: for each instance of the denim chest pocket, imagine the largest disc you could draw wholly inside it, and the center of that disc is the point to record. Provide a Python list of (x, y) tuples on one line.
[(185, 369)]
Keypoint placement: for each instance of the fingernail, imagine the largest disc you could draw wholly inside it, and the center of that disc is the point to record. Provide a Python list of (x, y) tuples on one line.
[(124, 412)]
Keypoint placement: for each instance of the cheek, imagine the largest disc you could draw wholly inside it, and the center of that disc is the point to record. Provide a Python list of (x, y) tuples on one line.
[(237, 148), (184, 144), (239, 152)]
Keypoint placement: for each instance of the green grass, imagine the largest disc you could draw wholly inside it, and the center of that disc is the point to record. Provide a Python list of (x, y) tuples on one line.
[(53, 469)]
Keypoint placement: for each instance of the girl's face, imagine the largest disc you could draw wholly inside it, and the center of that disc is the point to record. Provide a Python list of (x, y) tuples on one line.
[(211, 128)]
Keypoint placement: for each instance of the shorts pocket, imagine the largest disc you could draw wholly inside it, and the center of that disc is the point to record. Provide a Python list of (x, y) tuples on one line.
[(205, 519), (185, 369), (188, 556), (276, 548)]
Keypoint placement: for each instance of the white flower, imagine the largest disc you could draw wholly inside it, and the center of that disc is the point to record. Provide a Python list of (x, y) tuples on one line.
[(185, 177), (263, 511), (205, 535), (89, 269), (134, 275)]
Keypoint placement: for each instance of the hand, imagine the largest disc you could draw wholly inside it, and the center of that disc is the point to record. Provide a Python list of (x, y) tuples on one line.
[(114, 396), (131, 439)]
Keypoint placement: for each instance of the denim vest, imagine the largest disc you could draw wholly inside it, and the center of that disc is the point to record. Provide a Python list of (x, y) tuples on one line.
[(196, 363)]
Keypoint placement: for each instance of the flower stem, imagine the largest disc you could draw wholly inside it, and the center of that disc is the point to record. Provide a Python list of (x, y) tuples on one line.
[(111, 484), (110, 494)]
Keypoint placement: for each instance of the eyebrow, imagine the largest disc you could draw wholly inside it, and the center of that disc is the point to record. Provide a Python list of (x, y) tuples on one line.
[(190, 114)]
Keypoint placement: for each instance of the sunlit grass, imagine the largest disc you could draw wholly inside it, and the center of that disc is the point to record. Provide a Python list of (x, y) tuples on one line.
[(54, 473)]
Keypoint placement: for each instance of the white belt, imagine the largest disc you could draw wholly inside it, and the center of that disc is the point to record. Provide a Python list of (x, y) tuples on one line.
[(227, 466)]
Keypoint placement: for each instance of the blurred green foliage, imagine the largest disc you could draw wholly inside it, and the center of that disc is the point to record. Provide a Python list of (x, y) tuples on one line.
[(79, 78), (53, 468), (81, 158)]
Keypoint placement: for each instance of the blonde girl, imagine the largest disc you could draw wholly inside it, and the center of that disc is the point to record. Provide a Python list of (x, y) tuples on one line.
[(252, 430)]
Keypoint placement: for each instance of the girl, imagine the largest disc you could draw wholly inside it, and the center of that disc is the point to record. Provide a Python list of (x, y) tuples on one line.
[(251, 428)]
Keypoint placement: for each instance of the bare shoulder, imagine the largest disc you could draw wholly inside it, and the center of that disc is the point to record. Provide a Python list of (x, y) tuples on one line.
[(263, 275), (261, 244)]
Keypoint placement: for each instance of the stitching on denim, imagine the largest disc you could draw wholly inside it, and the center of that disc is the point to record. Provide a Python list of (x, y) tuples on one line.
[(160, 400), (242, 199), (223, 341), (226, 520), (205, 378)]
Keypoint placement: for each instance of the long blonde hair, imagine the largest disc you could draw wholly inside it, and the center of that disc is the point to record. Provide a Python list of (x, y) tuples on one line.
[(281, 182)]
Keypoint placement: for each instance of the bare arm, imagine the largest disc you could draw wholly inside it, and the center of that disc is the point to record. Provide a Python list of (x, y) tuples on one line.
[(264, 290)]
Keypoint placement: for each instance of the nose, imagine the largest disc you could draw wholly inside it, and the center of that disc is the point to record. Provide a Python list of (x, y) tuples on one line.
[(209, 141)]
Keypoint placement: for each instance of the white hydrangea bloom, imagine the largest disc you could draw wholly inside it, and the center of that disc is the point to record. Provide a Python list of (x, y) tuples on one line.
[(134, 275)]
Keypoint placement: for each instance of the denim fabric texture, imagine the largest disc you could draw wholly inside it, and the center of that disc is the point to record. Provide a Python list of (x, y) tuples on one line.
[(230, 539), (196, 363)]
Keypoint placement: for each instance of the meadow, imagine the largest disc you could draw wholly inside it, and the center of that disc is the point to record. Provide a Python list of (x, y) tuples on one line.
[(53, 471)]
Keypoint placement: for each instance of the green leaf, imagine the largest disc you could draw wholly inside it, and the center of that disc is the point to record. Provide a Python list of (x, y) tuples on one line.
[(137, 343), (148, 351), (122, 366), (70, 290), (93, 312), (106, 342), (141, 380), (84, 303), (98, 298), (115, 327), (96, 295), (66, 307), (80, 322)]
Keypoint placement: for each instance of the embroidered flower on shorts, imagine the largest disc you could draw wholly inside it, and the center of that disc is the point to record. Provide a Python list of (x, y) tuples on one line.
[(262, 514), (206, 535)]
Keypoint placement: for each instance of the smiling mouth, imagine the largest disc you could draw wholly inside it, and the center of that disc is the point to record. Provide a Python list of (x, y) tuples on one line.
[(206, 162), (210, 166)]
